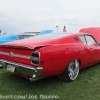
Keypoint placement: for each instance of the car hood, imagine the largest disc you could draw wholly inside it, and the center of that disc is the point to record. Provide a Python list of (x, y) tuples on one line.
[(29, 43)]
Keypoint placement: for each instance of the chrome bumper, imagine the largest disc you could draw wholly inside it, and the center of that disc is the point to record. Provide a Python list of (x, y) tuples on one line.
[(34, 73)]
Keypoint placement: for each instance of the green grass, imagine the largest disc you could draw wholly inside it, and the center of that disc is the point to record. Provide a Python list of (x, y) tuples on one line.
[(86, 87)]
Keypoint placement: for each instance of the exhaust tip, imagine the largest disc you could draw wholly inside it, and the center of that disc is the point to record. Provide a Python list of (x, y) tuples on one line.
[(32, 79)]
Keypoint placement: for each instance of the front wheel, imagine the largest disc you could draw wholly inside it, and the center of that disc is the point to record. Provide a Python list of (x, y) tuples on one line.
[(71, 72)]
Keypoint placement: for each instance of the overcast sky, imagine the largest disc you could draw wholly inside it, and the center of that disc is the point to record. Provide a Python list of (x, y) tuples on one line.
[(35, 15)]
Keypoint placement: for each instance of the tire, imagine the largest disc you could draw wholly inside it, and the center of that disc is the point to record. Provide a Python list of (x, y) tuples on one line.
[(71, 72)]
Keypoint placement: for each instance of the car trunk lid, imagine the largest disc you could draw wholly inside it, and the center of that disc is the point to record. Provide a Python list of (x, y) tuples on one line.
[(29, 43)]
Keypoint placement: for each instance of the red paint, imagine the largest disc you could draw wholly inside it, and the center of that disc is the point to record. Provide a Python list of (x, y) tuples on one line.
[(56, 53), (95, 31)]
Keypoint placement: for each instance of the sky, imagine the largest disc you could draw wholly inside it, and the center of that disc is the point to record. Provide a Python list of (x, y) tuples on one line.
[(18, 16)]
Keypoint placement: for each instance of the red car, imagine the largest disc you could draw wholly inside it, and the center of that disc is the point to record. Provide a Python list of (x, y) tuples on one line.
[(94, 31), (60, 54)]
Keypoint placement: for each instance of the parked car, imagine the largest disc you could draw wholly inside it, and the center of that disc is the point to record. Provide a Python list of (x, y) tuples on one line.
[(55, 54), (45, 32), (13, 37), (95, 31)]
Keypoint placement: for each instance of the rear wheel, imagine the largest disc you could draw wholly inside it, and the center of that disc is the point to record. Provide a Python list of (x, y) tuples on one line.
[(71, 72)]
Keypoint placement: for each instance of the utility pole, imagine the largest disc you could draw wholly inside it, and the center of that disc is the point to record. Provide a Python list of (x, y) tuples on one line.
[(57, 28)]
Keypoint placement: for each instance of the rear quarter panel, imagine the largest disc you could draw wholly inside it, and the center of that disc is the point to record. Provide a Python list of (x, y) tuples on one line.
[(56, 58)]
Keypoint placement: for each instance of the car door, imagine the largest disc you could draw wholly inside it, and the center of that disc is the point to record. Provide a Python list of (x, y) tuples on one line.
[(93, 47), (86, 57)]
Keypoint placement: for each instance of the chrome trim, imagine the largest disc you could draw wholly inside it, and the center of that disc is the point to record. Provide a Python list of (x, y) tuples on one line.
[(4, 53), (33, 72), (21, 56), (32, 79), (18, 64), (10, 54), (15, 55), (39, 58), (1, 66)]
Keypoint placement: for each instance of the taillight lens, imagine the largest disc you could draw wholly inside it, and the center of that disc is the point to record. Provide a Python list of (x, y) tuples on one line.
[(35, 58)]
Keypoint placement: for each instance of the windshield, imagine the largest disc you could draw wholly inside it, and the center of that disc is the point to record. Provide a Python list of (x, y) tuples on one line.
[(52, 35)]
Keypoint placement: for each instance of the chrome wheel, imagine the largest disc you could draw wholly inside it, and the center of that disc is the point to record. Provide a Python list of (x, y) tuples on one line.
[(73, 70)]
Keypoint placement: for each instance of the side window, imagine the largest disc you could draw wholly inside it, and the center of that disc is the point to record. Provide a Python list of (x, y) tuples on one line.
[(82, 39), (90, 40)]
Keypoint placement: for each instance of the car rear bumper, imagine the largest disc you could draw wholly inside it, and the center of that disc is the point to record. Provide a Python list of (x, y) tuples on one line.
[(34, 73)]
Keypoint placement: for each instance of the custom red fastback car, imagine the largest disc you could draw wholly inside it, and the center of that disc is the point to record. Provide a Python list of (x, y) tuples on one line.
[(60, 54)]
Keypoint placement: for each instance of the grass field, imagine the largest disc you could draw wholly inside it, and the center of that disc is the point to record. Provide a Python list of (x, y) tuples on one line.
[(86, 87)]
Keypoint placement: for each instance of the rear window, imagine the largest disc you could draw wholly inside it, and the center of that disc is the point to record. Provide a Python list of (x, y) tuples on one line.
[(52, 35)]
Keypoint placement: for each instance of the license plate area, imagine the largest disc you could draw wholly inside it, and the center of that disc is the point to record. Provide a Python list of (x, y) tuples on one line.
[(11, 68)]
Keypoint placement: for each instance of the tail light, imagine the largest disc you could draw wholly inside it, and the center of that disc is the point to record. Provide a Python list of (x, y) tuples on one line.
[(35, 57)]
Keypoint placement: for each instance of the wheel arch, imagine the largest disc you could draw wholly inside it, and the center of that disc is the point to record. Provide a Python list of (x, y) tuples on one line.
[(67, 78)]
